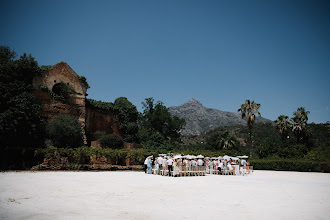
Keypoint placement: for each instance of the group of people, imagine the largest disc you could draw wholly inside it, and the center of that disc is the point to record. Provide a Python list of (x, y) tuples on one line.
[(211, 165)]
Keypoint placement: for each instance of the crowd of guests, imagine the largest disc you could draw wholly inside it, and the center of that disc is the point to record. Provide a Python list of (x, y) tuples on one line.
[(211, 165)]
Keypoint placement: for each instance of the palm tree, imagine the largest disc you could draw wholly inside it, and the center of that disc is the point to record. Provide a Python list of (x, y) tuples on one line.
[(248, 112), (300, 123), (227, 141), (283, 124)]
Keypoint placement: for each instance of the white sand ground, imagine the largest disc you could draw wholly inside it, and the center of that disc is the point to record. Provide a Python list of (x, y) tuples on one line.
[(135, 195)]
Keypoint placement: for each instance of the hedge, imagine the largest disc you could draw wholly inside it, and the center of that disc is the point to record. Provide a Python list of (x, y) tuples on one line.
[(291, 165), (117, 157), (82, 155)]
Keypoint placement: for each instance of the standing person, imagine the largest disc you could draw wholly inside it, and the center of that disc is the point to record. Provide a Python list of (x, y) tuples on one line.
[(243, 162), (200, 163), (247, 166), (193, 164), (221, 166), (230, 167), (145, 165), (211, 166), (160, 163), (156, 166), (149, 165), (170, 164), (184, 164), (176, 168), (188, 164), (164, 165), (237, 168), (207, 169), (216, 164)]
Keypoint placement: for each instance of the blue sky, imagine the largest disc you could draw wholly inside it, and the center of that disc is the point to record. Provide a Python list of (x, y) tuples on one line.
[(276, 53)]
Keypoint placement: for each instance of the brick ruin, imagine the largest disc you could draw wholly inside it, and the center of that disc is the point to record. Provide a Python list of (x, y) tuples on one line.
[(91, 119)]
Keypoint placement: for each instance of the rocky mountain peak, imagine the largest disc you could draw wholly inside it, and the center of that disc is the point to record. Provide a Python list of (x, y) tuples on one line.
[(193, 102), (200, 119)]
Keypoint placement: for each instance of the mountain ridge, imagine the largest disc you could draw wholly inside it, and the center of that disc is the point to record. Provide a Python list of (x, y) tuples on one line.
[(200, 119)]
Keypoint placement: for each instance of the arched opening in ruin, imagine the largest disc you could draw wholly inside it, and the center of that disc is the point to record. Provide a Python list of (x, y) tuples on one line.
[(62, 92)]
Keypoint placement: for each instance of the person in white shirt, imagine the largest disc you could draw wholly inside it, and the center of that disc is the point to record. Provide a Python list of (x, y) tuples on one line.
[(200, 163), (243, 162), (219, 166), (237, 168), (146, 165), (160, 162), (169, 164)]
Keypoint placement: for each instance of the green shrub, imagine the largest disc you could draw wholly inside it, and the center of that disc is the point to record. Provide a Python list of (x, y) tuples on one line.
[(81, 155), (65, 131), (320, 153), (293, 151), (112, 141), (290, 165), (83, 81), (98, 134)]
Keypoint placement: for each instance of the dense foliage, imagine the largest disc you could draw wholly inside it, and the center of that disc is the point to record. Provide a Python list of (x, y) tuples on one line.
[(291, 165), (83, 81), (127, 114), (111, 141), (106, 106), (268, 142), (157, 125), (65, 131), (20, 122)]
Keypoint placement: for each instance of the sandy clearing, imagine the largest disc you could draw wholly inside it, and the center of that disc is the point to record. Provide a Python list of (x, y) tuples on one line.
[(135, 195)]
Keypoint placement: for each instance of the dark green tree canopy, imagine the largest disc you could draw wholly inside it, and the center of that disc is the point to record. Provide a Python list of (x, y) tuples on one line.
[(20, 121), (112, 141), (156, 119), (65, 131), (283, 124), (299, 125), (127, 114)]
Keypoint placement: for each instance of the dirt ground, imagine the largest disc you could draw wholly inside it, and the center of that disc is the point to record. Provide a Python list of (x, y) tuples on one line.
[(135, 195)]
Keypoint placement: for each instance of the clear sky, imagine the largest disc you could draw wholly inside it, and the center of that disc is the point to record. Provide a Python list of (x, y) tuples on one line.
[(221, 52)]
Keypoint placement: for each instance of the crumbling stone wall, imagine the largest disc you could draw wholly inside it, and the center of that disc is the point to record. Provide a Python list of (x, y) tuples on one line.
[(100, 120), (58, 73), (91, 119)]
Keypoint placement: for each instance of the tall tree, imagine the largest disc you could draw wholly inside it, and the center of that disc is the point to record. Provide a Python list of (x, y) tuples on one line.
[(127, 114), (20, 122), (249, 110), (283, 124), (157, 122), (299, 126)]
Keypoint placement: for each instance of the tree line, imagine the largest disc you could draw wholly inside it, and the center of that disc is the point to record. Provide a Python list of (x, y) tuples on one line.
[(155, 129), (22, 127)]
